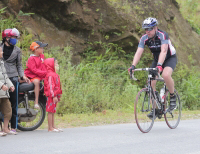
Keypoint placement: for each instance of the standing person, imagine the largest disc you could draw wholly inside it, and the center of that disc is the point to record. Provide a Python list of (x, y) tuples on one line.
[(5, 106), (36, 70), (13, 64), (52, 89), (164, 56)]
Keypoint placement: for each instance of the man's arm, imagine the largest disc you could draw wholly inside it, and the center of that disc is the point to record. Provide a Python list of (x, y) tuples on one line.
[(164, 47), (163, 53), (137, 56)]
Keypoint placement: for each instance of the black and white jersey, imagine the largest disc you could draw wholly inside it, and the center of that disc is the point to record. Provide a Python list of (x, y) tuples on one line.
[(155, 43)]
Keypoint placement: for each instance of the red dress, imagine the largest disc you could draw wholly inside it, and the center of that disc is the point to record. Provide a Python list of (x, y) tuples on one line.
[(52, 85)]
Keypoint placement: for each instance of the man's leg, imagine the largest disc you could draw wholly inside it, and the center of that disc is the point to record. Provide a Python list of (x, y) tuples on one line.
[(167, 76), (153, 84)]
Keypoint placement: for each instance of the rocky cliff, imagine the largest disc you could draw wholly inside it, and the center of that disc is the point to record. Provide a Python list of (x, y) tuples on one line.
[(77, 22)]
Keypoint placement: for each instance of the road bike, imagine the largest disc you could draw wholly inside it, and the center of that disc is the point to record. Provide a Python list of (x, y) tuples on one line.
[(148, 101)]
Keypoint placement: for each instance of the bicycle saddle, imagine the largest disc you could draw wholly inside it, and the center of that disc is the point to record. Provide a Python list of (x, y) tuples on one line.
[(26, 87)]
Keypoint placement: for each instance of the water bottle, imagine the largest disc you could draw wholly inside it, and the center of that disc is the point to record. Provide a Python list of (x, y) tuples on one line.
[(162, 92)]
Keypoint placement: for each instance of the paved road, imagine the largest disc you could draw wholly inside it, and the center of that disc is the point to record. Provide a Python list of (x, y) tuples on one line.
[(108, 139)]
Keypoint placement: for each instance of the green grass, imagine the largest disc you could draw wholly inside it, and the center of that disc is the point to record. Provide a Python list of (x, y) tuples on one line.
[(105, 117)]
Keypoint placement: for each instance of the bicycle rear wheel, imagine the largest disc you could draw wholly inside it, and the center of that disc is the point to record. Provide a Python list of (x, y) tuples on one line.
[(173, 118), (143, 107)]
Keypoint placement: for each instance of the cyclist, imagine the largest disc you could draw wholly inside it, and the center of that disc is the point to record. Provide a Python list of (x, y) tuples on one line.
[(13, 64), (164, 53)]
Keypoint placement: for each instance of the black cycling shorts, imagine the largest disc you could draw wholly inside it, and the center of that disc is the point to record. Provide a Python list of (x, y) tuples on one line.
[(170, 62)]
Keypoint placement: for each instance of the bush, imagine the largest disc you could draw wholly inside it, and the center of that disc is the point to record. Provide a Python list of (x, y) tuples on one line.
[(95, 84), (187, 82), (190, 11)]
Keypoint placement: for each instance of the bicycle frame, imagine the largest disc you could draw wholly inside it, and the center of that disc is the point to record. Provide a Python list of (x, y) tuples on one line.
[(152, 94)]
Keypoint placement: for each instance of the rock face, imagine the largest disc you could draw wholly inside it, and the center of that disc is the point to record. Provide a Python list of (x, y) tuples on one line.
[(77, 22)]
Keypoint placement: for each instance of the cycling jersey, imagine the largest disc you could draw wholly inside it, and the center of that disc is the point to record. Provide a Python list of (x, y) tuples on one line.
[(155, 43)]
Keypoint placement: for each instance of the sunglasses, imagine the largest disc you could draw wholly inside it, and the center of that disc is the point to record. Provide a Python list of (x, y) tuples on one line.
[(148, 29)]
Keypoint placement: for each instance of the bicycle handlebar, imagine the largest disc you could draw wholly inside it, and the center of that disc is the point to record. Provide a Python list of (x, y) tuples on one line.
[(146, 69)]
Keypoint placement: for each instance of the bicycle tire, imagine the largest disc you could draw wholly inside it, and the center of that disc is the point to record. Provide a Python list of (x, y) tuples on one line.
[(172, 119), (142, 109), (37, 122)]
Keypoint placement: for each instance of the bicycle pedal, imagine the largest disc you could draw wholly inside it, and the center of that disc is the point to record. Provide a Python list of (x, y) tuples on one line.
[(168, 111), (159, 116), (152, 117)]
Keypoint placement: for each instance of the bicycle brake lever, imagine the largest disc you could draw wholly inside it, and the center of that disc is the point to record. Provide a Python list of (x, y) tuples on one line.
[(133, 77), (159, 77), (130, 74), (158, 74)]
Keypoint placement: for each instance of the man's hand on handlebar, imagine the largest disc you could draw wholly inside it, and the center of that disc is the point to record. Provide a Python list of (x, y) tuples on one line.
[(159, 67), (131, 70)]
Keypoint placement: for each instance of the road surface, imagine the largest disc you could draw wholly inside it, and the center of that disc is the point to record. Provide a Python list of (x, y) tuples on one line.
[(107, 139)]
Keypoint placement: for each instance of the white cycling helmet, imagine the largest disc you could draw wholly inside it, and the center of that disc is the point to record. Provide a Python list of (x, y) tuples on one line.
[(149, 22)]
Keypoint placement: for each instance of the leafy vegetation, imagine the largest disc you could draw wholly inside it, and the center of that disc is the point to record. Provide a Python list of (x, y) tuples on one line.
[(190, 10), (187, 83), (10, 22), (101, 81)]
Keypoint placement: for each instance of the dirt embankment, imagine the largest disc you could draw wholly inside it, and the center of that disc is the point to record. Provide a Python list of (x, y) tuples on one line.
[(77, 22)]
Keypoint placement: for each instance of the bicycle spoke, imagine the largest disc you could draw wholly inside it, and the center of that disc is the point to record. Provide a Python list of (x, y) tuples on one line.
[(173, 118), (143, 108)]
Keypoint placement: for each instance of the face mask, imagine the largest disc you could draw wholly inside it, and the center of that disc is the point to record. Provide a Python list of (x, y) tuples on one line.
[(57, 68), (13, 41)]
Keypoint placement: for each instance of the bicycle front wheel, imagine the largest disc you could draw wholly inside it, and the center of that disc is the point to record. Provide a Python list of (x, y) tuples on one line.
[(143, 107), (173, 118)]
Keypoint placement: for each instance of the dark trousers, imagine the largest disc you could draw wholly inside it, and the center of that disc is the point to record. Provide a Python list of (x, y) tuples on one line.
[(14, 102)]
